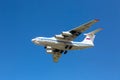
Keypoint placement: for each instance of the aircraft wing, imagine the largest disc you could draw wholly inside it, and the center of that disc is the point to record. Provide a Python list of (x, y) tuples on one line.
[(55, 53), (73, 33), (56, 56)]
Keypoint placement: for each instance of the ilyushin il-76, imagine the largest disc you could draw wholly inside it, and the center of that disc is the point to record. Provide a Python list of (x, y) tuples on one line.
[(62, 43)]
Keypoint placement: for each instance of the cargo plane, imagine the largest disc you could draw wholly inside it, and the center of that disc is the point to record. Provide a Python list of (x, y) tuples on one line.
[(62, 43)]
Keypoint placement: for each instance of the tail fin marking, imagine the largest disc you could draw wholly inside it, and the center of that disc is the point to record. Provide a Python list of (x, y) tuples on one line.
[(89, 39)]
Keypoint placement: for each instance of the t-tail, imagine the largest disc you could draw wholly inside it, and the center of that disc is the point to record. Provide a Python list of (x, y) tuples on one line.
[(89, 39)]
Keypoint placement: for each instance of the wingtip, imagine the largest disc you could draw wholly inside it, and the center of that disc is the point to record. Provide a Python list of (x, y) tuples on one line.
[(101, 28), (96, 20)]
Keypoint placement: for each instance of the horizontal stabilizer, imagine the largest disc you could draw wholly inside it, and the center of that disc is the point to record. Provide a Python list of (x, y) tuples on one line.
[(91, 36), (95, 31)]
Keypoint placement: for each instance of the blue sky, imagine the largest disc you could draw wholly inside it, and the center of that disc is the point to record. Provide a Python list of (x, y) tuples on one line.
[(22, 20)]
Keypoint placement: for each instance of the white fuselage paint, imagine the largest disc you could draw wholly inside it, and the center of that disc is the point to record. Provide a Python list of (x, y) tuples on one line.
[(60, 44)]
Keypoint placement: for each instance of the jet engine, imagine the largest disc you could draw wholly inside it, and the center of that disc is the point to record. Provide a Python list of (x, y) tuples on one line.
[(66, 33), (49, 49), (59, 36)]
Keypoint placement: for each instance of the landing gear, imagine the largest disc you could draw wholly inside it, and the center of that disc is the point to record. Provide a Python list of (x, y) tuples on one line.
[(57, 50), (61, 51), (65, 52), (45, 47), (68, 47)]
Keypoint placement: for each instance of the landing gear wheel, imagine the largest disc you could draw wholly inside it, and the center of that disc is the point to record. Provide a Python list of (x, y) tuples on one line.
[(61, 51), (70, 47), (65, 52), (45, 47), (66, 46)]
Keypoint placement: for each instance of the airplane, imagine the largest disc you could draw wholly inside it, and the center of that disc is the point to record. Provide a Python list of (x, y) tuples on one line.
[(63, 42)]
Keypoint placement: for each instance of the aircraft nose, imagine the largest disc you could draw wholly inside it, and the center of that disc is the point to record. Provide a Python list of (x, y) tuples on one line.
[(33, 40)]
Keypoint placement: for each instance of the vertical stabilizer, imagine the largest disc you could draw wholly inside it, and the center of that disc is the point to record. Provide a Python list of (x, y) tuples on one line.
[(89, 39)]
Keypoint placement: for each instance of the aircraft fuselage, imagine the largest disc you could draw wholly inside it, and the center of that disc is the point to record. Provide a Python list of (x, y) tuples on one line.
[(60, 44)]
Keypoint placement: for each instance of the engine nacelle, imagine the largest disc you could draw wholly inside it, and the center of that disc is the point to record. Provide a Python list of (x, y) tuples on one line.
[(48, 47), (66, 33), (59, 36), (49, 51)]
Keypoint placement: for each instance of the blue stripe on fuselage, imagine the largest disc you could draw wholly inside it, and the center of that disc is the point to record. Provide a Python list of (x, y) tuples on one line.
[(49, 39), (65, 42)]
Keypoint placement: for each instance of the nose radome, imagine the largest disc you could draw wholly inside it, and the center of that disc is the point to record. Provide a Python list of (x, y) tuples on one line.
[(33, 40)]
